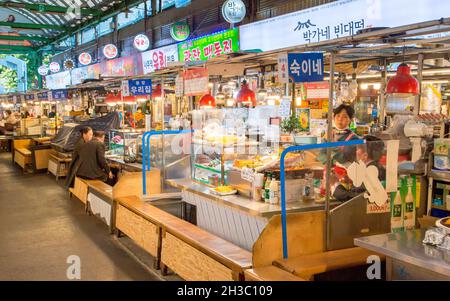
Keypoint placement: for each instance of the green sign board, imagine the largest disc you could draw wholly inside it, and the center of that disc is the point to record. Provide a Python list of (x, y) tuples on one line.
[(204, 48), (180, 31)]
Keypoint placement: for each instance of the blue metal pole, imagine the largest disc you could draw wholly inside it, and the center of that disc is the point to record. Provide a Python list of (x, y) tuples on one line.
[(282, 179), (144, 173)]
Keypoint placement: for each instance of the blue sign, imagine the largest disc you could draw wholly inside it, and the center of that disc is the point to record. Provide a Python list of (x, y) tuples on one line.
[(182, 3), (140, 86), (29, 97), (42, 96), (59, 94), (305, 67)]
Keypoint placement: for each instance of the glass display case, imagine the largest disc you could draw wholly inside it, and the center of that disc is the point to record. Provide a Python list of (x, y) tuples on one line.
[(123, 144)]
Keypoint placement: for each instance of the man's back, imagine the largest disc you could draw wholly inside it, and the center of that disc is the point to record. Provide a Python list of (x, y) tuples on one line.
[(92, 161)]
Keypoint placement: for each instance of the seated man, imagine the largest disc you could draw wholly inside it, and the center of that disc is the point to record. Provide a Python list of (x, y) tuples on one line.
[(369, 153), (93, 165)]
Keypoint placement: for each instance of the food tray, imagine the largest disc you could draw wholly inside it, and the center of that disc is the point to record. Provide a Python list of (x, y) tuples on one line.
[(213, 190)]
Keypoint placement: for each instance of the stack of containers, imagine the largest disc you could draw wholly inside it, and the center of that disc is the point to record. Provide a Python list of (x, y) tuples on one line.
[(442, 154)]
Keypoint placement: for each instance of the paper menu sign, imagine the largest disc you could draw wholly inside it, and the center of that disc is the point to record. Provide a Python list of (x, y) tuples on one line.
[(284, 109), (392, 165), (248, 174)]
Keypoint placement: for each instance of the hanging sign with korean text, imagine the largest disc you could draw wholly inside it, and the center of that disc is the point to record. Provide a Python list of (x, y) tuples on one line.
[(29, 96), (42, 96), (136, 87), (55, 67), (110, 51), (43, 70), (196, 81), (59, 94), (204, 48), (334, 20), (157, 59), (283, 75), (305, 67), (84, 58), (233, 11), (180, 31), (141, 42)]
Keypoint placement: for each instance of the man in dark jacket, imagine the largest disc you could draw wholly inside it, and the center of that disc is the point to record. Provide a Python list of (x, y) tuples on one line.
[(93, 165), (86, 134)]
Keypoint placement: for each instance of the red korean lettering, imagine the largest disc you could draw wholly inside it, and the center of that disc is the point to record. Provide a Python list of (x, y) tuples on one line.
[(208, 50), (228, 46), (162, 59), (155, 61), (217, 48), (196, 54), (187, 55)]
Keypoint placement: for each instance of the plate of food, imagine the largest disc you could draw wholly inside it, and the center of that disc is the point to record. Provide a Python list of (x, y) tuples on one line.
[(444, 223), (224, 190)]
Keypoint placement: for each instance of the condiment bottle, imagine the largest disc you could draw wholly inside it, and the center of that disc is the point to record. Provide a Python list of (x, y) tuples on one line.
[(274, 192), (267, 188)]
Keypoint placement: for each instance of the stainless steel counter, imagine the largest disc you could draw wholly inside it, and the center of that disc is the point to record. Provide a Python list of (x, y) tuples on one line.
[(243, 203), (408, 247), (133, 166)]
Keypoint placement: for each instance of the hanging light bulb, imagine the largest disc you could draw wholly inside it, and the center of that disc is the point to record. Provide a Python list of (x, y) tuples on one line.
[(157, 93)]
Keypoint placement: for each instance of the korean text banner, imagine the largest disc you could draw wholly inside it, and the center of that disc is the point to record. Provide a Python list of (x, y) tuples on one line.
[(305, 67), (204, 48), (42, 96), (140, 86), (59, 94), (157, 59), (58, 80), (335, 20)]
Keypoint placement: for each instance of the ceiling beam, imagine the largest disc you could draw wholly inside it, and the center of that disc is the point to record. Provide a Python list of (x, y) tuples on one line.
[(15, 47), (23, 38), (32, 26), (45, 8), (14, 51)]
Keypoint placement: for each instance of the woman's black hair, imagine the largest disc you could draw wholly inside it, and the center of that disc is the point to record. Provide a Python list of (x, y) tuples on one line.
[(350, 111), (85, 130)]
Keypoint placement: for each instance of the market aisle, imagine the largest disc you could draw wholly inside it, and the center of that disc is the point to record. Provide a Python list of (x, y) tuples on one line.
[(40, 227)]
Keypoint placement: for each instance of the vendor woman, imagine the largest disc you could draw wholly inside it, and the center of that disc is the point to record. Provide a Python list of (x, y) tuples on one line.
[(342, 156)]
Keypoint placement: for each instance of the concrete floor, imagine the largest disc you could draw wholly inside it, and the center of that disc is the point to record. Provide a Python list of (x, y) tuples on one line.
[(40, 227)]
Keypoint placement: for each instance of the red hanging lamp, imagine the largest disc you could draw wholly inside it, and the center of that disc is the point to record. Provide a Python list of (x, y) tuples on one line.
[(403, 82), (245, 95), (207, 101), (157, 92)]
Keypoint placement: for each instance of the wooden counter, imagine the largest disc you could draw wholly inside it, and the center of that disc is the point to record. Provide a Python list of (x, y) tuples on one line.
[(234, 218), (194, 254)]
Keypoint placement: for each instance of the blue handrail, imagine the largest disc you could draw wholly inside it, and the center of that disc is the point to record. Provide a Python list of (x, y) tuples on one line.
[(146, 151), (283, 184)]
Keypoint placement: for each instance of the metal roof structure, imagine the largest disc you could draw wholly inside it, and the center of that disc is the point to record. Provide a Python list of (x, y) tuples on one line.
[(29, 24)]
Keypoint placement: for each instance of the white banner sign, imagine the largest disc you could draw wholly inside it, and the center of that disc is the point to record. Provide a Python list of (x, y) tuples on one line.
[(283, 71), (58, 80), (157, 59), (335, 20), (179, 85), (125, 88)]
